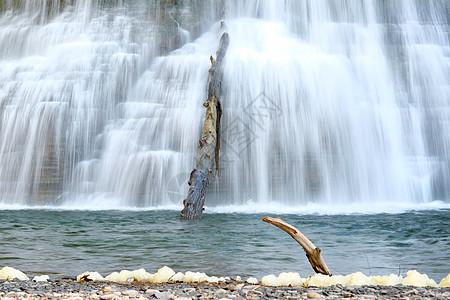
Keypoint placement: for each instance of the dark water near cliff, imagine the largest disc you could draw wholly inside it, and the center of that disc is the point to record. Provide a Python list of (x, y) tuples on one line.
[(67, 243)]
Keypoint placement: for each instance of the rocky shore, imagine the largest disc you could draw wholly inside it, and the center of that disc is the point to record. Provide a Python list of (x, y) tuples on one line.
[(69, 288)]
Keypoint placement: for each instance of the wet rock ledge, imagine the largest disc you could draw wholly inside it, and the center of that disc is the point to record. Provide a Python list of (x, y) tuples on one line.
[(69, 288)]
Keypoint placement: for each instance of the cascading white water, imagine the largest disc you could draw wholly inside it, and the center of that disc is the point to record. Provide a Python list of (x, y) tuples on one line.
[(324, 101)]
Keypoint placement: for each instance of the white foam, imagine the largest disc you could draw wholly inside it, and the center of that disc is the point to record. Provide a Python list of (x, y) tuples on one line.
[(337, 208), (89, 207)]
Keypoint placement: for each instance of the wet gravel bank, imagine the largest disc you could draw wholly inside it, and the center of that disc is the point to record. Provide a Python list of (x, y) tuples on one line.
[(71, 289)]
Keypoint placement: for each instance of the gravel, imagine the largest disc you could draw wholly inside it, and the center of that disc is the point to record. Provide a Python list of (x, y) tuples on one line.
[(69, 288)]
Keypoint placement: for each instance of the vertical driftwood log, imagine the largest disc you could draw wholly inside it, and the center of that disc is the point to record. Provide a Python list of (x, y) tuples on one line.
[(312, 252), (209, 143)]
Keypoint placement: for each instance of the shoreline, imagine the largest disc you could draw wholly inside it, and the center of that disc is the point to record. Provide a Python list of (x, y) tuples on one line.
[(69, 288)]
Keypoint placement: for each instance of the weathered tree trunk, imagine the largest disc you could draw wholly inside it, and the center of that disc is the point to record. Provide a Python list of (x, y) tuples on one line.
[(209, 144), (312, 252)]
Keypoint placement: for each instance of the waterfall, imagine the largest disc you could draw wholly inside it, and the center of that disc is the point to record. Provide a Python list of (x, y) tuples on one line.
[(325, 101)]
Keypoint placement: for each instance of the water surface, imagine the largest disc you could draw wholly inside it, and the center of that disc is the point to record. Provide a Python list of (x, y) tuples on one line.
[(67, 243)]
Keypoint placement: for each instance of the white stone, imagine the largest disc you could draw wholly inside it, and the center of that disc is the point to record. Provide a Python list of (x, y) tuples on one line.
[(151, 292), (42, 278), (212, 279), (130, 293), (163, 295), (220, 292), (313, 295), (252, 280), (109, 296)]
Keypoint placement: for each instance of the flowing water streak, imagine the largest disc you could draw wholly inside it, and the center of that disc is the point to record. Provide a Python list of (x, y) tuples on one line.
[(324, 101), (62, 79)]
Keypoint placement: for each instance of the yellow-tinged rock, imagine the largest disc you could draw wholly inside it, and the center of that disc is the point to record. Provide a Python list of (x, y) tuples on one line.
[(283, 279), (290, 278), (178, 277), (445, 282), (113, 277), (123, 276), (269, 280), (163, 275), (386, 280), (319, 280), (195, 277), (357, 278), (414, 278), (142, 276), (90, 276), (8, 273), (252, 280), (353, 279), (337, 279)]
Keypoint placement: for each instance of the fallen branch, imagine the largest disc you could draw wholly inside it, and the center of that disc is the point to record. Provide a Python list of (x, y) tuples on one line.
[(209, 143), (312, 252)]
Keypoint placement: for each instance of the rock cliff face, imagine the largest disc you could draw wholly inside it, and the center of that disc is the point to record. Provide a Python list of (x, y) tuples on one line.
[(49, 187)]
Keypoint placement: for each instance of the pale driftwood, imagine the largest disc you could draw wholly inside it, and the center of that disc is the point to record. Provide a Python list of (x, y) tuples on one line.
[(209, 143), (312, 252)]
